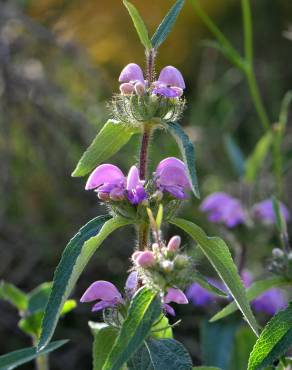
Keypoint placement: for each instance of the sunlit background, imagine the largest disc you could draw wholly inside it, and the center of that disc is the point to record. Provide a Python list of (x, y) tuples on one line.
[(59, 65)]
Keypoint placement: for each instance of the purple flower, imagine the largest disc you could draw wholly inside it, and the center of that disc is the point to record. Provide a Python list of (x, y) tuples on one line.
[(270, 302), (264, 211), (221, 207), (132, 80), (170, 83), (135, 189), (199, 296), (110, 182), (131, 73), (174, 295), (131, 284), (105, 293), (171, 176)]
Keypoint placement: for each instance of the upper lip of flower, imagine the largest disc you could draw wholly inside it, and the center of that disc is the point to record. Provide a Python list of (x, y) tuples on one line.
[(132, 72), (171, 175)]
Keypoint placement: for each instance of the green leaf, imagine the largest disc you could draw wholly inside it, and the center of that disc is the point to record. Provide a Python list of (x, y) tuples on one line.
[(139, 25), (162, 329), (244, 342), (144, 310), (69, 305), (256, 159), (38, 298), (161, 355), (166, 25), (188, 152), (206, 285), (104, 338), (256, 289), (274, 340), (217, 341), (13, 295), (74, 259), (31, 325), (112, 137), (14, 359), (219, 256)]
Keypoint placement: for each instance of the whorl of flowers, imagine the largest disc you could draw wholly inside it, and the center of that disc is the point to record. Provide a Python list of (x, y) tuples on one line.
[(143, 101)]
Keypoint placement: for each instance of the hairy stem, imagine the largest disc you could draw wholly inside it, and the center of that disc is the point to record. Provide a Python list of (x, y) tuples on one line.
[(144, 151), (150, 59)]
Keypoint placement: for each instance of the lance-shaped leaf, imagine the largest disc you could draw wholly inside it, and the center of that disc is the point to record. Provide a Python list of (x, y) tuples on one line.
[(274, 341), (188, 152), (219, 256), (166, 25), (74, 259), (14, 359), (161, 355), (200, 279), (111, 138), (139, 25), (144, 310), (256, 289), (256, 159)]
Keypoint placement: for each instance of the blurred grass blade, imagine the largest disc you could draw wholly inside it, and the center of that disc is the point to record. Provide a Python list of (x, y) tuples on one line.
[(219, 256), (255, 290), (74, 259), (166, 25), (144, 310), (104, 338), (14, 359), (163, 354), (13, 295), (243, 345), (274, 341), (139, 25), (256, 159), (235, 155), (111, 138), (159, 216), (188, 153), (224, 45)]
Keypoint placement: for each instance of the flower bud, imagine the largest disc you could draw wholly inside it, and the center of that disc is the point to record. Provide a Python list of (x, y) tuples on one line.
[(181, 261), (278, 253), (127, 88), (135, 255), (140, 88), (103, 196), (155, 247), (174, 243), (145, 259), (167, 265)]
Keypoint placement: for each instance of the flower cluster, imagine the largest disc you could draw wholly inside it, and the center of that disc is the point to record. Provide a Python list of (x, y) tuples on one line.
[(143, 101), (111, 184), (270, 302), (165, 268), (223, 208)]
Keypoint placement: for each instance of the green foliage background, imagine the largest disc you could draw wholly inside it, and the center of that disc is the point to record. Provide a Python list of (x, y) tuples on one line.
[(59, 65)]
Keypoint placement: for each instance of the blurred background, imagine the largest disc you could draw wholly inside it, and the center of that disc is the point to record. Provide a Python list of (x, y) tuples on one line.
[(59, 65)]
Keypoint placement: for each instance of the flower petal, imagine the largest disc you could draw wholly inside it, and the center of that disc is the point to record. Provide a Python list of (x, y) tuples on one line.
[(172, 76), (167, 92), (175, 295), (102, 305), (172, 171), (103, 290), (105, 173), (132, 283), (132, 72), (133, 179), (168, 309), (265, 211)]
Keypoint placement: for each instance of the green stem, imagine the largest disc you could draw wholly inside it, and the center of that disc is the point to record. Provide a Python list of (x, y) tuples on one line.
[(256, 97), (41, 362), (248, 31)]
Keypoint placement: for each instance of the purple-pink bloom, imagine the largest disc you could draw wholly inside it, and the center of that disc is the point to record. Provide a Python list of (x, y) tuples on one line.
[(104, 292), (170, 83), (109, 180), (131, 284), (132, 72), (222, 208), (175, 295), (171, 176), (270, 302), (135, 187), (199, 296), (264, 211)]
